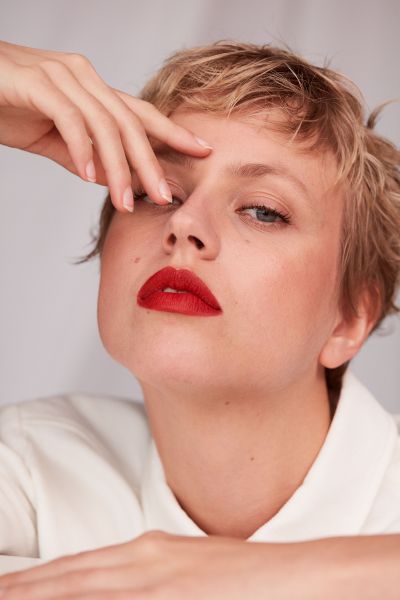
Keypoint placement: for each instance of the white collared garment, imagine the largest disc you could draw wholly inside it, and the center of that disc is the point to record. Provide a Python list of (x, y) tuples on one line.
[(79, 471)]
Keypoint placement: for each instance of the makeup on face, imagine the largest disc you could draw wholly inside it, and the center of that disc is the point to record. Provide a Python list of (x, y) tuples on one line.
[(180, 291)]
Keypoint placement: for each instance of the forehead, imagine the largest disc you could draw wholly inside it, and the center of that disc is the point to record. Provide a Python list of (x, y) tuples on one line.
[(271, 123), (252, 147)]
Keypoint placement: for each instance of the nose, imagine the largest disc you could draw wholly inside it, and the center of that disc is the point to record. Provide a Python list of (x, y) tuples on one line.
[(190, 231)]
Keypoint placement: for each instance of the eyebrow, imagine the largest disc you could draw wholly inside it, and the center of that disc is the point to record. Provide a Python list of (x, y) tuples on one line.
[(243, 170)]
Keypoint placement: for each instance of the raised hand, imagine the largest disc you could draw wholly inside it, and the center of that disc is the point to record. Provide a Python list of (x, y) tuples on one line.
[(56, 105)]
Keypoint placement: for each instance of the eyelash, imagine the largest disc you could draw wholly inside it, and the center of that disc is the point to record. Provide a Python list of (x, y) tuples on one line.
[(285, 217)]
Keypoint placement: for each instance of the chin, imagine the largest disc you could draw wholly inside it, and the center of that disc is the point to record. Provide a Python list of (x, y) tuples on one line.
[(167, 367)]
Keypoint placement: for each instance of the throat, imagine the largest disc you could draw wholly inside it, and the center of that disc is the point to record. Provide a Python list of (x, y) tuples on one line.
[(233, 464)]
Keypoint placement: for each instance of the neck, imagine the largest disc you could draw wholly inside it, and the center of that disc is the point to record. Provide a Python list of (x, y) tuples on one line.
[(232, 461)]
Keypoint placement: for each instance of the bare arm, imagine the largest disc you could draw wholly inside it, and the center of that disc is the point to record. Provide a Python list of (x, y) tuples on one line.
[(160, 565), (350, 567)]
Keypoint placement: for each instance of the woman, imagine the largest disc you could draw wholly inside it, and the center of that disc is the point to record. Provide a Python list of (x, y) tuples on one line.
[(238, 306)]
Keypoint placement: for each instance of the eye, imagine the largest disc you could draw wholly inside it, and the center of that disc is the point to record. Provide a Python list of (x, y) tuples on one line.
[(267, 214), (263, 214)]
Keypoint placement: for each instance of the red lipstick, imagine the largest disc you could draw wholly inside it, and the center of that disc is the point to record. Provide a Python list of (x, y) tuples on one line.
[(192, 296)]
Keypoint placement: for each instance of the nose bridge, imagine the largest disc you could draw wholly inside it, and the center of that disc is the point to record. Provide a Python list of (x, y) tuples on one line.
[(193, 226)]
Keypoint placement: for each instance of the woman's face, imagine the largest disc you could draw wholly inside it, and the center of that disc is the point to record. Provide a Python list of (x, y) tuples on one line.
[(274, 280)]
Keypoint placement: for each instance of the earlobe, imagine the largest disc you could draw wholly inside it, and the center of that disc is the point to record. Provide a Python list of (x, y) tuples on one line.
[(337, 350), (350, 332)]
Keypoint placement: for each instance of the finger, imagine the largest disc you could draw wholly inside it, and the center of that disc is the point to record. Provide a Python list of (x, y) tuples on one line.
[(75, 584), (47, 99), (103, 130), (125, 594), (53, 146), (133, 134), (100, 557), (145, 571), (161, 127), (108, 556)]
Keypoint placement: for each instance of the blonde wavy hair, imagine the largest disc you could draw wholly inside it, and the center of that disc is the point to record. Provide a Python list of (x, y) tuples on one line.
[(322, 108)]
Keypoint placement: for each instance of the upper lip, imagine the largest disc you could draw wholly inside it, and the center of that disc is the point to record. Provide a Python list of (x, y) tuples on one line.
[(181, 280)]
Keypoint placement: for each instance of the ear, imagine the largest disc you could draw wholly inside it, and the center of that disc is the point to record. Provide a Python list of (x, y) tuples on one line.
[(350, 332)]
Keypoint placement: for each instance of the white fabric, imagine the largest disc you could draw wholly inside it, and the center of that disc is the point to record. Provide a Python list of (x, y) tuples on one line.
[(79, 472)]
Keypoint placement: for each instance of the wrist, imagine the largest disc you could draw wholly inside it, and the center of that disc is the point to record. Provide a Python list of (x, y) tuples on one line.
[(345, 567)]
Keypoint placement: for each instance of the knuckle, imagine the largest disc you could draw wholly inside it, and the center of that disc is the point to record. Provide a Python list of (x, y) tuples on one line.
[(51, 65), (31, 75), (77, 60), (70, 112), (106, 121), (150, 541), (130, 123), (156, 533), (149, 164), (144, 104), (135, 120), (152, 112)]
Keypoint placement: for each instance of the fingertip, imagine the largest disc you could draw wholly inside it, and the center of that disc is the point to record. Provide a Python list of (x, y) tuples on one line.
[(127, 199), (164, 190), (90, 171)]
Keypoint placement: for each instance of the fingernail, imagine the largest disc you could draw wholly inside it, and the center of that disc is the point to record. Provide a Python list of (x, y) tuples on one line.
[(164, 190), (127, 199), (91, 171), (203, 143)]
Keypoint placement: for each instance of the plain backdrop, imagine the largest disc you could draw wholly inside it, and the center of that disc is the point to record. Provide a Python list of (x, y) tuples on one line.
[(49, 342)]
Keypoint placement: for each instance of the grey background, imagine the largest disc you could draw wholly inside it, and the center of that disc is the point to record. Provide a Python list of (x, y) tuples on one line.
[(49, 341)]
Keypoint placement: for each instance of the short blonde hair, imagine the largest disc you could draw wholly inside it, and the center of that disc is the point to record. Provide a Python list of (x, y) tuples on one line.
[(324, 109)]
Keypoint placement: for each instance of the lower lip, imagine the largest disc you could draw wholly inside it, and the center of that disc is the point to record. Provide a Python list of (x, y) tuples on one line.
[(186, 303)]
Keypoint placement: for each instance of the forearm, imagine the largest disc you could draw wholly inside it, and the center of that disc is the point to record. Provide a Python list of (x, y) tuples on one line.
[(348, 568)]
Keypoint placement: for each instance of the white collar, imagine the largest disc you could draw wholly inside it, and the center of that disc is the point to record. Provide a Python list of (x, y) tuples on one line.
[(337, 492)]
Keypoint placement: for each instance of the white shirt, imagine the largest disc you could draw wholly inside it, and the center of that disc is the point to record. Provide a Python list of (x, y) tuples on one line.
[(79, 471)]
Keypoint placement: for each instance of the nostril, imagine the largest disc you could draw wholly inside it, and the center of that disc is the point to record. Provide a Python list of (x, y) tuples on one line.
[(198, 242), (172, 238)]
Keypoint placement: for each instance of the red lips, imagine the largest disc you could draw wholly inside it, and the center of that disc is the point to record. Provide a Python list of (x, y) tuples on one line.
[(198, 299)]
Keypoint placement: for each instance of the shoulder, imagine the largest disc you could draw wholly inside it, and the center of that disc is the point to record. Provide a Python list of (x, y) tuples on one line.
[(71, 467), (385, 513), (396, 418), (368, 448), (92, 411), (107, 425), (392, 476)]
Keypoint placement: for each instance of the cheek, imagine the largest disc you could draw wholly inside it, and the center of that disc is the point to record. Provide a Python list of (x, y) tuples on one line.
[(290, 306), (312, 288), (116, 277), (109, 313)]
